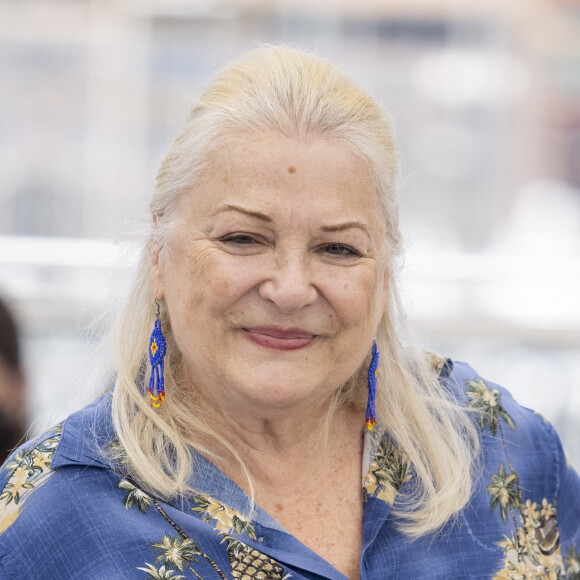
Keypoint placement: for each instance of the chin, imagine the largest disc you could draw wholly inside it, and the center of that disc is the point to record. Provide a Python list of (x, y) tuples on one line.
[(275, 393)]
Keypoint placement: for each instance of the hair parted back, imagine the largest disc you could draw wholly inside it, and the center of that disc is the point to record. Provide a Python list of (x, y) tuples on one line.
[(294, 93)]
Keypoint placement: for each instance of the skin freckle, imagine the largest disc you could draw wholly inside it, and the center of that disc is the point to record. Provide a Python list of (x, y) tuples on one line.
[(291, 169)]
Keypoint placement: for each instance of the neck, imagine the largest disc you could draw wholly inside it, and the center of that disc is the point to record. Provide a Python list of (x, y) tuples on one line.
[(284, 445)]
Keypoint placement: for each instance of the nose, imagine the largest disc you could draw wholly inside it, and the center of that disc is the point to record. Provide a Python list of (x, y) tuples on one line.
[(290, 285)]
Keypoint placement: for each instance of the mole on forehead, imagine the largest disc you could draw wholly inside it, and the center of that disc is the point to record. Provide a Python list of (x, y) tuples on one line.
[(291, 169)]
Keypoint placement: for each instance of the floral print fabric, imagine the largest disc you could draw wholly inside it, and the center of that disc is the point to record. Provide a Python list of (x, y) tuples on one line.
[(65, 512)]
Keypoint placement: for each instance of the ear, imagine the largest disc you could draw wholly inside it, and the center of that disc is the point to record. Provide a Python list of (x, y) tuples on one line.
[(157, 273)]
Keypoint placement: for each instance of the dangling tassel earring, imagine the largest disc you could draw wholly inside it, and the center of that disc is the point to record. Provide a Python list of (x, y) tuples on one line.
[(157, 349), (372, 384)]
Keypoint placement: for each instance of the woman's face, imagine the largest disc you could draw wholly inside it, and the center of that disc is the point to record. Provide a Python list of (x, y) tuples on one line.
[(275, 276)]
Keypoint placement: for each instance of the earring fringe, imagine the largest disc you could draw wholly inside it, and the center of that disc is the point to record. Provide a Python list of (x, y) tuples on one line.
[(157, 350), (372, 385)]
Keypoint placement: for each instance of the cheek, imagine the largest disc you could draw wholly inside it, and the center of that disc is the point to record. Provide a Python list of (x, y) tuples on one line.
[(357, 296), (186, 277), (207, 281)]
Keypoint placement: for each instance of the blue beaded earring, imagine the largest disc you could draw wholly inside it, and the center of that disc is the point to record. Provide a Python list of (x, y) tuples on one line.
[(372, 384), (157, 349)]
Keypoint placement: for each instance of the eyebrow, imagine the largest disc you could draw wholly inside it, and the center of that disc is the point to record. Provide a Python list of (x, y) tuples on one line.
[(256, 214), (347, 226), (263, 217)]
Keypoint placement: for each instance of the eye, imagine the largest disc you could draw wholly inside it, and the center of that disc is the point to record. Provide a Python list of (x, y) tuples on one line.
[(341, 250), (243, 243), (240, 239)]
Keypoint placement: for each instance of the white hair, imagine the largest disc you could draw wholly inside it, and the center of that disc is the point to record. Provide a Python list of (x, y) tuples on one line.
[(289, 91)]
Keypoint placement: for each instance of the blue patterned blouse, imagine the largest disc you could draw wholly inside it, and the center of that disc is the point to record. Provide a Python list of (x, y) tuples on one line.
[(65, 513)]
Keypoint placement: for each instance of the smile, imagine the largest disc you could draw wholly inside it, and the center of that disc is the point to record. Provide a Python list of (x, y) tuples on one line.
[(279, 338)]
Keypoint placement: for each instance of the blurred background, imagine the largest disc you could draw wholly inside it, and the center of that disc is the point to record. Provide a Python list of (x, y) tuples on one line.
[(485, 97)]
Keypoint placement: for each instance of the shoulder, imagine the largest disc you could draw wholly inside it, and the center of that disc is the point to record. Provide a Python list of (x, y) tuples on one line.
[(25, 471), (519, 446), (36, 480), (500, 419), (509, 432), (77, 441), (526, 480), (64, 520), (55, 506)]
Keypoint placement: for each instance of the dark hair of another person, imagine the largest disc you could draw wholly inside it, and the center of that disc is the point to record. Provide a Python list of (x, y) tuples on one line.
[(9, 347), (11, 429)]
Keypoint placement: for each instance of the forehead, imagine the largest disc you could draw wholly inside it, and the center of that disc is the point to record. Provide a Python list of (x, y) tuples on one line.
[(266, 155), (272, 172)]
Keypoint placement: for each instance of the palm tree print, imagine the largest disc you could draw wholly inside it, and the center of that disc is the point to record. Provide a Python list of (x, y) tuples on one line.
[(386, 474), (29, 465), (226, 518), (436, 361), (177, 551), (532, 550), (504, 492), (487, 403), (30, 469), (186, 537), (490, 412), (572, 561), (160, 573), (20, 481), (134, 496)]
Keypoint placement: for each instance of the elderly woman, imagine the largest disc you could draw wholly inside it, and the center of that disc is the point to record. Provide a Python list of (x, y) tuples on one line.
[(269, 418)]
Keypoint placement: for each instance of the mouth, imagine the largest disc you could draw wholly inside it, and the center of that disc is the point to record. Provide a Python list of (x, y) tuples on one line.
[(278, 338)]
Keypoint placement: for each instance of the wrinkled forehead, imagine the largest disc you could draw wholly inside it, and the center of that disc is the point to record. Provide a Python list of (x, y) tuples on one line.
[(262, 167)]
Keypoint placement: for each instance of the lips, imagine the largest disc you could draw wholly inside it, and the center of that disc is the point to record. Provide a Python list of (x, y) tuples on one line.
[(279, 338)]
